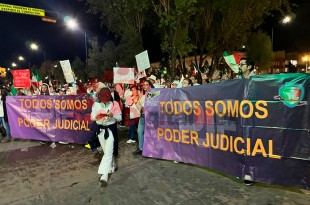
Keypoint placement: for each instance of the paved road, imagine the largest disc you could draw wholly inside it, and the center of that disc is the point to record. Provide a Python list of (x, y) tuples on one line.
[(32, 173)]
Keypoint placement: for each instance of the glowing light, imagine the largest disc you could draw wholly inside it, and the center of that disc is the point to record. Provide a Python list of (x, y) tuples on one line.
[(34, 46), (72, 24), (287, 19), (21, 58), (14, 64)]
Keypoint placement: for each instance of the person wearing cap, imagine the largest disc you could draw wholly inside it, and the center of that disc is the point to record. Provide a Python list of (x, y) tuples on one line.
[(106, 114), (152, 79)]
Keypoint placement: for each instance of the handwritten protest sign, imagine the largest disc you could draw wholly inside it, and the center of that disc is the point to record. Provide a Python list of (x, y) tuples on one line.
[(21, 78), (124, 75), (66, 68), (143, 61)]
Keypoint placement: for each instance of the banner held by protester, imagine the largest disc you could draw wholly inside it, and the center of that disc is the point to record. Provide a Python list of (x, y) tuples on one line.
[(50, 118), (253, 129)]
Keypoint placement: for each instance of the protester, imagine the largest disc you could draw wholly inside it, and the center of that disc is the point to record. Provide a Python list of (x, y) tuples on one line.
[(134, 114), (52, 90), (152, 79), (204, 81), (187, 82), (44, 89), (62, 91), (106, 113), (167, 84), (4, 115), (194, 80), (146, 85), (175, 84), (216, 76), (246, 67)]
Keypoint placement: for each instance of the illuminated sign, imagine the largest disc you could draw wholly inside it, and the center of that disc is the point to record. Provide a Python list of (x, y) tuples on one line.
[(21, 10)]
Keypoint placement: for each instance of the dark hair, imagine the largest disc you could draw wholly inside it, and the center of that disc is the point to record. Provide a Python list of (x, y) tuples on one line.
[(190, 82), (249, 61), (133, 86), (150, 83)]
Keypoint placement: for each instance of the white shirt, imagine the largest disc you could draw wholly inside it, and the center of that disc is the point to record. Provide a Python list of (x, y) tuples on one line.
[(104, 108)]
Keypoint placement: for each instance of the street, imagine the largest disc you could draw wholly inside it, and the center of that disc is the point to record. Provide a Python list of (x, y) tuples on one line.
[(32, 173)]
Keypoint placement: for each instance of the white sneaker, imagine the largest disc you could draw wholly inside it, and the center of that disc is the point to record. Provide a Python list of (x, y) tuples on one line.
[(130, 141), (113, 167)]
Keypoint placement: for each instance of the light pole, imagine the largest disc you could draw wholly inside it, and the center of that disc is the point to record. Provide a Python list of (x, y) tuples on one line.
[(73, 25)]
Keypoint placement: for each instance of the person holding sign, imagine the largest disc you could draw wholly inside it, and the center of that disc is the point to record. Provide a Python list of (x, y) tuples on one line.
[(140, 105), (107, 113)]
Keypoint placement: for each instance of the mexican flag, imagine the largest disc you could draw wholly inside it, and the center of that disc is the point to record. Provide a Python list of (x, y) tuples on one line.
[(232, 61), (35, 79)]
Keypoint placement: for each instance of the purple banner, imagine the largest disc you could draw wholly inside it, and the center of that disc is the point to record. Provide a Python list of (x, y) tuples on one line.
[(50, 118), (254, 129)]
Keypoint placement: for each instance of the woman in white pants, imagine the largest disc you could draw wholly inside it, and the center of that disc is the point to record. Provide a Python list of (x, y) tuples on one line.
[(106, 113)]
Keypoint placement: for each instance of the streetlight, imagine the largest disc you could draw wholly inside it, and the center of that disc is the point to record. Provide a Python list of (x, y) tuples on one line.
[(13, 64), (285, 20), (72, 24), (34, 46), (21, 58)]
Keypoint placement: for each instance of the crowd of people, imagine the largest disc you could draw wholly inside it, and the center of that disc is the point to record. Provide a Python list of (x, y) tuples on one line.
[(114, 105)]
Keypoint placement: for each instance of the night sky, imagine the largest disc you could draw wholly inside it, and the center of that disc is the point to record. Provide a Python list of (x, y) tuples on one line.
[(60, 43), (55, 39)]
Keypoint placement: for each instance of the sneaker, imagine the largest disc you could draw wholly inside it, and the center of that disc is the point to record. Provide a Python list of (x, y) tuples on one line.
[(137, 152), (5, 140), (130, 141), (113, 167), (247, 182)]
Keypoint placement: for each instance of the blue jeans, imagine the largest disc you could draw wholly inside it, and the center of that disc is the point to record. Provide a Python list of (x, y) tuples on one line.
[(6, 127), (141, 132)]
